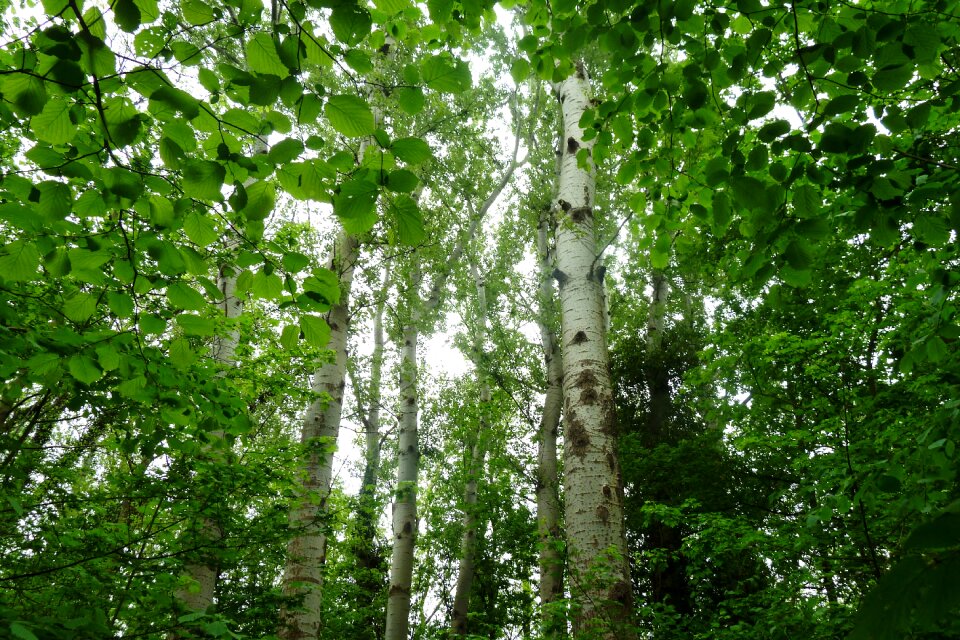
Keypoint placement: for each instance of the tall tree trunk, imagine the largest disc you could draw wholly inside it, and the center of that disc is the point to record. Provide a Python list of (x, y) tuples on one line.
[(306, 551), (405, 501), (369, 558), (599, 566), (405, 506), (468, 542), (200, 575), (548, 489)]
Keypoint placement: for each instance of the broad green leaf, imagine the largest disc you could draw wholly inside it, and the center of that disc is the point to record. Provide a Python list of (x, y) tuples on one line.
[(196, 12), (84, 369), (411, 99), (20, 261), (410, 229), (323, 283), (445, 73), (294, 261), (262, 56), (200, 229), (120, 304), (56, 200), (411, 150), (931, 229), (798, 278), (193, 325), (350, 115), (183, 296), (315, 330), (17, 629), (750, 193), (127, 15), (402, 181), (266, 286), (26, 92), (80, 307), (108, 357), (289, 336), (355, 205), (287, 150), (203, 179), (53, 124), (181, 354), (350, 23), (806, 201)]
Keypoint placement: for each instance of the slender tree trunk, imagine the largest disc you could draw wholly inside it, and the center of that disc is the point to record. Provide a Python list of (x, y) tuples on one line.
[(599, 566), (369, 558), (405, 501), (306, 551), (468, 542), (548, 489)]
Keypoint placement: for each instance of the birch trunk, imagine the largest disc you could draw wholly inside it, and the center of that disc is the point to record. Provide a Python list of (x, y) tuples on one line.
[(405, 498), (599, 567), (468, 542), (369, 558), (306, 551), (548, 490), (201, 576)]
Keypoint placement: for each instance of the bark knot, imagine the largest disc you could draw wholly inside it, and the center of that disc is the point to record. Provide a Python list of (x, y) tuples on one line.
[(580, 214), (577, 436), (572, 145), (579, 338)]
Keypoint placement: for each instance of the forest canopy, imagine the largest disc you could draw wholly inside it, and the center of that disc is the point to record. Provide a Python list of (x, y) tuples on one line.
[(699, 260)]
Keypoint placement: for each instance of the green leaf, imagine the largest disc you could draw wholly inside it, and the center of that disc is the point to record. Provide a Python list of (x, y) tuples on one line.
[(196, 12), (180, 354), (53, 123), (26, 92), (806, 201), (56, 200), (195, 325), (84, 369), (445, 73), (750, 193), (127, 15), (350, 115), (120, 304), (183, 296), (19, 630), (315, 330), (350, 23), (410, 229), (289, 336), (324, 284), (294, 261), (893, 79), (411, 99), (80, 307), (200, 229), (402, 181), (203, 179), (355, 205), (798, 278), (20, 261), (931, 229), (287, 150), (263, 57), (411, 150)]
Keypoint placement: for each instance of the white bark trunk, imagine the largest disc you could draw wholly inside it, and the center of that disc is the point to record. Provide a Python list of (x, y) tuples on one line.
[(405, 497), (468, 542), (306, 551), (599, 567), (548, 490)]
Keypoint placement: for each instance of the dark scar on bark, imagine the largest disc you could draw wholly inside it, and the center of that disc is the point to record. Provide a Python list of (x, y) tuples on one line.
[(603, 514), (572, 145), (564, 205), (579, 338), (581, 213), (577, 436)]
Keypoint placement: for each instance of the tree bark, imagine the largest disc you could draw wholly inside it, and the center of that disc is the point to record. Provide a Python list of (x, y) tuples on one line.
[(599, 566), (548, 489), (369, 558), (306, 551), (468, 542), (405, 498)]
